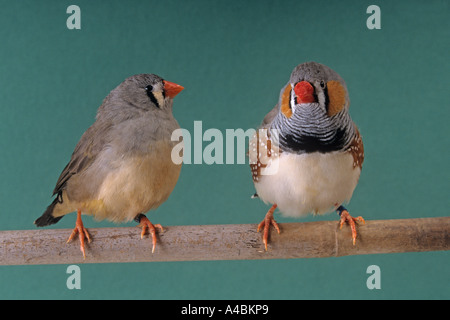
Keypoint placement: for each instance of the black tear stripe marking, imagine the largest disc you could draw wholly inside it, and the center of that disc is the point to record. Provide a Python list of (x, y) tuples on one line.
[(327, 99), (153, 99), (313, 143)]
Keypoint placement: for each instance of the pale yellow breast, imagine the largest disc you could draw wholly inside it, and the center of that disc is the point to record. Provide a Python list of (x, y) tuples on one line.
[(139, 184)]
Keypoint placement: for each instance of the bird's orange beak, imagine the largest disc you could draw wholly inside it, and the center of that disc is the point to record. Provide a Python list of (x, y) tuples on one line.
[(172, 89), (305, 92)]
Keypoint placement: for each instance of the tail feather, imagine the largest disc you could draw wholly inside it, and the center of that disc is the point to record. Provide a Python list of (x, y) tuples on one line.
[(47, 217)]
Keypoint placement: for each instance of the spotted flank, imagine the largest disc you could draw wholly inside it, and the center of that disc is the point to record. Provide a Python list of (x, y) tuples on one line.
[(262, 152), (356, 149)]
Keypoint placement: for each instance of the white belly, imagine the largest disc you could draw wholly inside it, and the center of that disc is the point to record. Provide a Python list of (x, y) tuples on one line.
[(309, 183)]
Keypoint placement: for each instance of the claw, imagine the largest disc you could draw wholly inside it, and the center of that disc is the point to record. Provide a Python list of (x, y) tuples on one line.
[(147, 225), (266, 223), (82, 233), (346, 217)]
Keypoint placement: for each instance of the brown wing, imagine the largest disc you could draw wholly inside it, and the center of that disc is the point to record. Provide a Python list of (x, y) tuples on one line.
[(86, 151)]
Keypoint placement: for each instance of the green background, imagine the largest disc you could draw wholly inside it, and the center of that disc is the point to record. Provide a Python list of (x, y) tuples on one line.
[(232, 57)]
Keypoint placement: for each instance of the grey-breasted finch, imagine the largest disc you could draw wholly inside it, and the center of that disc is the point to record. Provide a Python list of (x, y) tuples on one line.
[(121, 167)]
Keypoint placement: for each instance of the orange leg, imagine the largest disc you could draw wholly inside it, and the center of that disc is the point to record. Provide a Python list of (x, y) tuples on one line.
[(146, 224), (82, 233), (346, 217), (266, 223)]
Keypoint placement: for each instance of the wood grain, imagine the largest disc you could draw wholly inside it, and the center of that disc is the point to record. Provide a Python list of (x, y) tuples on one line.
[(225, 242)]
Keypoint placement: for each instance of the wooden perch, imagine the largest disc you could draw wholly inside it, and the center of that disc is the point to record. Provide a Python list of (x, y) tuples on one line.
[(225, 242)]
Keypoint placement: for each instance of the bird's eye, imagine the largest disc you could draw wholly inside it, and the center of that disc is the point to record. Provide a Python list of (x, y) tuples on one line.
[(322, 84), (149, 88)]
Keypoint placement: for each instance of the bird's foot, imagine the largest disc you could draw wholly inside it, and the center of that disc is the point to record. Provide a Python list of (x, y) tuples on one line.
[(82, 233), (266, 223), (147, 225), (346, 217)]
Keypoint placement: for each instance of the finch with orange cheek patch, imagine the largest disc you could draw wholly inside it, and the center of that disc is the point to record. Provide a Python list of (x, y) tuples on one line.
[(308, 154)]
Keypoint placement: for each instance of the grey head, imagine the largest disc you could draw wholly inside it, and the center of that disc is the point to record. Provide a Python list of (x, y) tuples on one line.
[(322, 79), (313, 111), (137, 95)]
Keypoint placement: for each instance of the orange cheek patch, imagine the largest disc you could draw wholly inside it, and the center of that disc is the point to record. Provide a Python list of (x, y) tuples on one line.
[(336, 96), (285, 108)]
